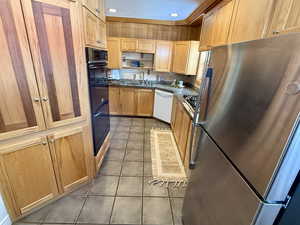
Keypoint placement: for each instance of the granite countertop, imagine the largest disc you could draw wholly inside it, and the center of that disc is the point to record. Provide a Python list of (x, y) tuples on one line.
[(178, 92), (164, 87)]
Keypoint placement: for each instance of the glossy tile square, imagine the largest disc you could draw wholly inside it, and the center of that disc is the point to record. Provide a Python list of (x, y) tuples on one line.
[(133, 155), (115, 154), (120, 135), (135, 145), (127, 210), (148, 169), (104, 185), (132, 169), (118, 143), (138, 130), (111, 168), (130, 186), (176, 204)]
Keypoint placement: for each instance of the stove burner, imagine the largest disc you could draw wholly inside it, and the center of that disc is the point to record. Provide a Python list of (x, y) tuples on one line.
[(192, 100)]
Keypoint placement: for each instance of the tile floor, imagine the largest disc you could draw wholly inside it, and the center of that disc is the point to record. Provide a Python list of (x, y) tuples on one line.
[(120, 194)]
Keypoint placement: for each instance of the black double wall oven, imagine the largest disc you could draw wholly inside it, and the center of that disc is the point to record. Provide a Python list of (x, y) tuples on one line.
[(98, 88)]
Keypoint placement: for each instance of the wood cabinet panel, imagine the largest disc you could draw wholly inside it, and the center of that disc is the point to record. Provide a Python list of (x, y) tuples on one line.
[(20, 108), (178, 123), (173, 116), (58, 57), (96, 7), (146, 46), (114, 101), (69, 149), (163, 56), (101, 40), (250, 21), (207, 31), (185, 125), (128, 44), (114, 53), (29, 172), (127, 100), (285, 18), (144, 102)]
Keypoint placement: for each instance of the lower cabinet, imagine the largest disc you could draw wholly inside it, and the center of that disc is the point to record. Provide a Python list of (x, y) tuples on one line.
[(35, 171), (131, 101), (181, 126)]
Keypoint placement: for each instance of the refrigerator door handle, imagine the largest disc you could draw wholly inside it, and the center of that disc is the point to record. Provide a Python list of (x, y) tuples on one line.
[(206, 89)]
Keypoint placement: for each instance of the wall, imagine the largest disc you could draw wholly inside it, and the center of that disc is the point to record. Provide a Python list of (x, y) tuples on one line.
[(4, 218), (152, 31)]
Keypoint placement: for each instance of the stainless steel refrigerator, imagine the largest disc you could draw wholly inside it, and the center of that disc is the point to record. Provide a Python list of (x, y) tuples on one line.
[(246, 134)]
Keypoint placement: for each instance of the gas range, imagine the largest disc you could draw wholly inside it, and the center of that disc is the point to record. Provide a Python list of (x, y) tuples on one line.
[(191, 100)]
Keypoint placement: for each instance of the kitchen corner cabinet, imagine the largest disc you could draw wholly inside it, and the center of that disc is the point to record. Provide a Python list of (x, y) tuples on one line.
[(128, 44), (94, 29), (285, 18), (145, 46), (185, 57), (97, 7), (27, 172), (144, 102), (69, 153), (114, 53), (163, 56), (20, 108), (57, 52), (250, 20)]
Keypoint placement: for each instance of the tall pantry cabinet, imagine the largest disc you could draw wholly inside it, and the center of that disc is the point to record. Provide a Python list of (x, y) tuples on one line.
[(45, 137)]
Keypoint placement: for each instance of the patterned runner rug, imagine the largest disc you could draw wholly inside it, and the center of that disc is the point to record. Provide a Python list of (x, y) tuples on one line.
[(167, 167)]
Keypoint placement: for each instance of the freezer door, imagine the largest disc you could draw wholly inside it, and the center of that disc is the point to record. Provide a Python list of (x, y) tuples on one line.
[(217, 194), (254, 104)]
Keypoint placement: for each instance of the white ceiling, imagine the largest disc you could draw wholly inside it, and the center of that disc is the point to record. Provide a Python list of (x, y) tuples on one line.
[(152, 9)]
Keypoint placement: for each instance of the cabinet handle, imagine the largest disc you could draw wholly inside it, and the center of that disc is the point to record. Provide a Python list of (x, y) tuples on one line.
[(44, 143), (36, 99), (293, 88), (97, 10), (99, 42), (276, 32), (45, 99)]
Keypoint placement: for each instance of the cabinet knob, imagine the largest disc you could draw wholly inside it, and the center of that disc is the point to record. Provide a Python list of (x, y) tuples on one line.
[(97, 10), (45, 99), (276, 32), (99, 42), (293, 88), (36, 99), (44, 143)]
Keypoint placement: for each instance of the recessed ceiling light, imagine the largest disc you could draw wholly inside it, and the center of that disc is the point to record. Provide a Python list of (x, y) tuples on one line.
[(112, 10), (174, 14)]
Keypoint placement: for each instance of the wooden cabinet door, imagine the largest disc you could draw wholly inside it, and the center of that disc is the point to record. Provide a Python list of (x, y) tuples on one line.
[(28, 174), (101, 10), (178, 122), (114, 53), (20, 107), (101, 35), (146, 46), (163, 56), (144, 102), (91, 28), (180, 57), (173, 116), (285, 17), (57, 49), (184, 132), (128, 44), (127, 100), (250, 20), (96, 7), (222, 24), (69, 153), (207, 31), (114, 101)]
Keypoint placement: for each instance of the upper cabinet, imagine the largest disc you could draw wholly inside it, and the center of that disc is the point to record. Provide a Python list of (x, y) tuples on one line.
[(96, 6), (58, 58), (250, 20), (114, 53), (128, 44), (95, 30), (216, 26), (285, 17), (145, 46), (185, 57), (20, 108), (163, 56)]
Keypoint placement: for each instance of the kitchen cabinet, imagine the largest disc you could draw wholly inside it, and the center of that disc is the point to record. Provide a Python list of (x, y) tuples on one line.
[(163, 56), (56, 47), (27, 172), (173, 115), (69, 152), (145, 46), (114, 53), (184, 134), (216, 26), (20, 108), (285, 18), (144, 102), (128, 44), (96, 7), (95, 30), (178, 123), (185, 57), (250, 20), (127, 100), (114, 101)]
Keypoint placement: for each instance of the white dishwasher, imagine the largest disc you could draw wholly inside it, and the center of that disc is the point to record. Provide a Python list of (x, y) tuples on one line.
[(163, 103)]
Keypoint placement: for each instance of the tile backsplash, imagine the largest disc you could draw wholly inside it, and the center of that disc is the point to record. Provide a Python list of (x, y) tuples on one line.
[(139, 74)]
